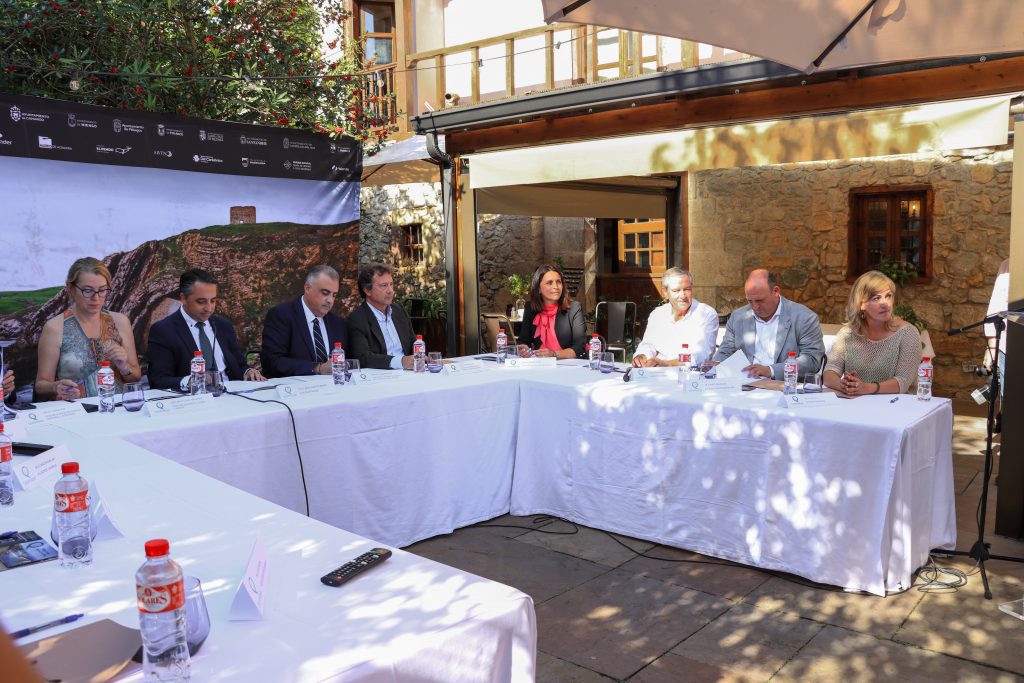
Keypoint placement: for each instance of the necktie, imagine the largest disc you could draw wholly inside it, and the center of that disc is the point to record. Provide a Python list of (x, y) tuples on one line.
[(318, 340), (206, 348)]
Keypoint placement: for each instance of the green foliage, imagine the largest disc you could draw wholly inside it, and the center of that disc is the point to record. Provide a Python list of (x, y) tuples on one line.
[(425, 303), (270, 62), (518, 285), (907, 312), (899, 272)]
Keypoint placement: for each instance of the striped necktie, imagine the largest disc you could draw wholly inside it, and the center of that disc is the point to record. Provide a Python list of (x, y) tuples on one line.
[(318, 340)]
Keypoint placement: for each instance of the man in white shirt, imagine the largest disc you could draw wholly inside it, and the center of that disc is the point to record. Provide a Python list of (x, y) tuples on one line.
[(769, 327), (381, 331), (682, 320)]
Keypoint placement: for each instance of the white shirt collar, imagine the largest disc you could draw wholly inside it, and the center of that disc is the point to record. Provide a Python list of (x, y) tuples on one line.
[(381, 316), (309, 314), (189, 320)]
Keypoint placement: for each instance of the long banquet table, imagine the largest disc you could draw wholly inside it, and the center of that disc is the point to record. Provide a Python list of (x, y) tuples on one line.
[(853, 495), (410, 619)]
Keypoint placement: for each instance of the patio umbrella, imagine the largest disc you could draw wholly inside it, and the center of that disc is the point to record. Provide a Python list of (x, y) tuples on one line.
[(813, 35), (406, 161)]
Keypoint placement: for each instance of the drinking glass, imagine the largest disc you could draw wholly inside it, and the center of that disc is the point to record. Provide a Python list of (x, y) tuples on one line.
[(133, 396), (607, 362), (214, 383), (813, 383), (197, 618), (351, 366), (434, 361)]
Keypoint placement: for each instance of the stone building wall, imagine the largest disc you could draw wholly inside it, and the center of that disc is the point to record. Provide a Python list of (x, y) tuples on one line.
[(794, 219), (381, 211)]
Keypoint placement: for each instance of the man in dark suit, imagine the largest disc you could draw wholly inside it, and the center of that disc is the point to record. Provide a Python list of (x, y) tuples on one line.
[(174, 340), (298, 335), (382, 333)]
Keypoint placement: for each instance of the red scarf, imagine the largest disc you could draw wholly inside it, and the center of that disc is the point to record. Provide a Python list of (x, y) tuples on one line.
[(544, 325)]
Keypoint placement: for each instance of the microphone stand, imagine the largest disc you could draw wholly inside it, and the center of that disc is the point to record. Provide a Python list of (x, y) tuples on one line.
[(979, 551)]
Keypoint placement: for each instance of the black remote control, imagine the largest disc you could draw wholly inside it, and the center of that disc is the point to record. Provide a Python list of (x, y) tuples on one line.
[(357, 566)]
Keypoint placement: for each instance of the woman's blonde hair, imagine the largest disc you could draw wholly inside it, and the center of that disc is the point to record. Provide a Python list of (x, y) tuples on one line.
[(88, 265), (862, 290)]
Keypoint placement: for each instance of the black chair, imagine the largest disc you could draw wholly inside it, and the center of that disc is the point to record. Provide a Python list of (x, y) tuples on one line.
[(621, 317)]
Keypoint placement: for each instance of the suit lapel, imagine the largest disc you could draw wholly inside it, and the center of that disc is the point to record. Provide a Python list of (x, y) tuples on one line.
[(780, 337), (184, 334), (302, 327)]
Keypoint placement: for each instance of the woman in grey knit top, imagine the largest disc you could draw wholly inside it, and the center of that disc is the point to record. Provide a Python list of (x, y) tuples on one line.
[(875, 352)]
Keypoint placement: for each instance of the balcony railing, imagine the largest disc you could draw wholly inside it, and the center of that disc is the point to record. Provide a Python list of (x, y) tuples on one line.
[(549, 57), (378, 95)]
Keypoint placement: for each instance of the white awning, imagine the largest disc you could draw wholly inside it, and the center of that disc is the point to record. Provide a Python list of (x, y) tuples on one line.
[(957, 124)]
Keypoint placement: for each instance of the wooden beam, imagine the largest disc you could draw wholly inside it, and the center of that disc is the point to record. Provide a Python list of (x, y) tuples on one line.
[(510, 67), (474, 75), (439, 80), (761, 101), (549, 59)]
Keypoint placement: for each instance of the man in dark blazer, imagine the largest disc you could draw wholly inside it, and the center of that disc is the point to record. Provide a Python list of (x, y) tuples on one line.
[(298, 335), (769, 327), (174, 340), (381, 332)]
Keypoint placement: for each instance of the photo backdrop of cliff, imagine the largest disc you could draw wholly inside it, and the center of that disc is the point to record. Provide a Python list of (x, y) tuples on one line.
[(153, 195)]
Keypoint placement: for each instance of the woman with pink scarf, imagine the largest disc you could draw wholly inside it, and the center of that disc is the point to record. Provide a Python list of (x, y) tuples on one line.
[(552, 325)]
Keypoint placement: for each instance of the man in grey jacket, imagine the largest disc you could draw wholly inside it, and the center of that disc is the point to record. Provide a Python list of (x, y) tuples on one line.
[(769, 327)]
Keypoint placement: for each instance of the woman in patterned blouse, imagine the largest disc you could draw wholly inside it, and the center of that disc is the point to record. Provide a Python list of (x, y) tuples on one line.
[(875, 352)]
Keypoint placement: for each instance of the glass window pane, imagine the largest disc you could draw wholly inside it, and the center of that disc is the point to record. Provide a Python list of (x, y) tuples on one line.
[(630, 258), (645, 259), (377, 18), (876, 250), (645, 240), (380, 50), (878, 212), (630, 241)]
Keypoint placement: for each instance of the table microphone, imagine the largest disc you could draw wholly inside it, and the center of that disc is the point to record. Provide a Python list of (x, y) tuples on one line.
[(625, 377)]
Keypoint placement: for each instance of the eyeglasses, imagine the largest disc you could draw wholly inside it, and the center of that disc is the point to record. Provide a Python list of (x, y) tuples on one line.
[(90, 293)]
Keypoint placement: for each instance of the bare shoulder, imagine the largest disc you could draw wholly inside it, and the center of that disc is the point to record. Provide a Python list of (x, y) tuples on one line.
[(54, 324)]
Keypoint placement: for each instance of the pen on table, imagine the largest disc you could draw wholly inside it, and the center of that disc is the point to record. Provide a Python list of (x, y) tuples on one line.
[(895, 399), (42, 627), (8, 534)]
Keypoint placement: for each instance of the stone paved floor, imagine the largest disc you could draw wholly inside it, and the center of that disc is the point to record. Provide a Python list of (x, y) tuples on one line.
[(604, 613)]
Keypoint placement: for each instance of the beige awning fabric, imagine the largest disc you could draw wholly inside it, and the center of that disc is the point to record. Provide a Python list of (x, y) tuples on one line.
[(797, 32), (958, 124), (569, 201)]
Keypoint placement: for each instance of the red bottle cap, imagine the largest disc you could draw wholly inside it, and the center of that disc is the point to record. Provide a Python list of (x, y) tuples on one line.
[(158, 547), (927, 359), (594, 337), (69, 468), (419, 337), (686, 346), (792, 354), (337, 345), (105, 364), (198, 353)]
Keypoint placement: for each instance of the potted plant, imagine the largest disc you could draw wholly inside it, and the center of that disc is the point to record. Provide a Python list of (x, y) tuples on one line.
[(519, 287), (901, 273)]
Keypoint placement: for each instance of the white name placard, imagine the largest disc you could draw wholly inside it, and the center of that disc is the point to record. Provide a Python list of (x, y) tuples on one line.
[(654, 374), (102, 516), (53, 411), (712, 384), (535, 363), (287, 391), (179, 406), (466, 367), (376, 376), (250, 594), (42, 469), (800, 401)]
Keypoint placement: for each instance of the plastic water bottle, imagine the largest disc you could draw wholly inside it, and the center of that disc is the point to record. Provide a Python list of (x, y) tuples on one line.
[(419, 354), (338, 363), (789, 373), (6, 455), (501, 344), (924, 379), (160, 587), (198, 369), (71, 509), (685, 361), (595, 352), (105, 387)]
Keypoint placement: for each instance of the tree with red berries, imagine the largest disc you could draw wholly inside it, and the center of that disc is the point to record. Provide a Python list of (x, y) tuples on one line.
[(271, 62)]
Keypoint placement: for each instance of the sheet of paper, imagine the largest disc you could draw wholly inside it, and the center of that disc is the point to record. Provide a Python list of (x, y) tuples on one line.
[(43, 469), (96, 652), (732, 367)]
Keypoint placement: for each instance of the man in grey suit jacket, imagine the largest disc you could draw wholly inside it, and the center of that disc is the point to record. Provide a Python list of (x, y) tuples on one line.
[(769, 327)]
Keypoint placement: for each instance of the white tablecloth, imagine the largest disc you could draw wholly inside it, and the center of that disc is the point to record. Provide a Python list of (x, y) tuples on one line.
[(409, 619), (398, 461), (853, 496)]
